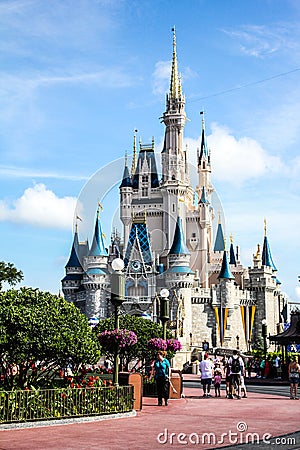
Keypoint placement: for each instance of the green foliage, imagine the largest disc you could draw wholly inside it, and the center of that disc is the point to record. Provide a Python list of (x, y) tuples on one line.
[(9, 274), (33, 404), (40, 332), (143, 328)]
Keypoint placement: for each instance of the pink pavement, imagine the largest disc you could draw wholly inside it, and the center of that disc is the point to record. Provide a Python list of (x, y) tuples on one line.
[(188, 418)]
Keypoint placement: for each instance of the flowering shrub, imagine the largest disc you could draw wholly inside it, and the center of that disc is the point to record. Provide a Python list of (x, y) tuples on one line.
[(173, 345), (117, 338), (157, 344), (82, 379)]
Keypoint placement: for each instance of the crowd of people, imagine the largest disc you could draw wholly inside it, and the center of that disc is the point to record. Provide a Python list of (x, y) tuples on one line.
[(234, 370)]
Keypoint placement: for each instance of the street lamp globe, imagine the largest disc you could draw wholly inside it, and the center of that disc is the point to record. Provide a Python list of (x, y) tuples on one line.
[(117, 264), (164, 293), (264, 322)]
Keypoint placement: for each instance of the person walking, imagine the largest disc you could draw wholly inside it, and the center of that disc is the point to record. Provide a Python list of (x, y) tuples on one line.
[(294, 373), (161, 370), (206, 369), (236, 365)]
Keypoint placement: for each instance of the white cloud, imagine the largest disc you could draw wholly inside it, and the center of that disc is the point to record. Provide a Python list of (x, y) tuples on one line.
[(40, 207), (261, 41), (297, 291), (161, 77), (162, 74), (237, 160)]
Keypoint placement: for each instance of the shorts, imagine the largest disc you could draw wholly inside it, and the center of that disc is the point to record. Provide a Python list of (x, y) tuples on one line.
[(235, 378), (294, 380), (206, 381)]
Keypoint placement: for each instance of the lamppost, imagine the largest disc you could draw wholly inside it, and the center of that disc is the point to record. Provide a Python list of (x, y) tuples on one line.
[(117, 298), (264, 333), (164, 310)]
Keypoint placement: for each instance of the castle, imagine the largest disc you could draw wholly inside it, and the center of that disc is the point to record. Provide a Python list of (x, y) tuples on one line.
[(169, 242)]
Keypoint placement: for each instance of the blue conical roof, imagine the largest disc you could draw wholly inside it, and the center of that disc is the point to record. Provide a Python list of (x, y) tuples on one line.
[(232, 259), (98, 247), (267, 259), (179, 246), (126, 181), (74, 260), (219, 242), (204, 198), (225, 272)]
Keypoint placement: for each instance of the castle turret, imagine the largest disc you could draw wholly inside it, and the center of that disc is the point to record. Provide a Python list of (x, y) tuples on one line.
[(96, 278), (125, 199), (74, 272), (179, 279)]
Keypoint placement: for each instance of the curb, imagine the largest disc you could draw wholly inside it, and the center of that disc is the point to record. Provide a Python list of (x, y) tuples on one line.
[(55, 422)]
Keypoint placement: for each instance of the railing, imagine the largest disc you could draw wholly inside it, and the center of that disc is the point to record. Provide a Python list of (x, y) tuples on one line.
[(29, 405)]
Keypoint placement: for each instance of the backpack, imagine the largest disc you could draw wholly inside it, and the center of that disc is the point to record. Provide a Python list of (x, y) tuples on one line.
[(235, 365)]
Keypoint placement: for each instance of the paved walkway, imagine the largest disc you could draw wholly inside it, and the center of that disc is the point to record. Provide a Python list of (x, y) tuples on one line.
[(189, 422)]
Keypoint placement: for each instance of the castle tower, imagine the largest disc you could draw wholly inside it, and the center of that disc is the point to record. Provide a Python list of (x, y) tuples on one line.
[(175, 180), (179, 279), (262, 283), (96, 276), (224, 305), (74, 272), (125, 200)]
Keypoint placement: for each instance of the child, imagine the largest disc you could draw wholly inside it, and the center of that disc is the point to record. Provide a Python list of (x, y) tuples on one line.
[(217, 382)]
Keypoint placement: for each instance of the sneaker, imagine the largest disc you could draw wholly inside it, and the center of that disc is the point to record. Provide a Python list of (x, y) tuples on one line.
[(204, 395), (166, 402), (296, 398), (208, 395), (230, 396), (159, 404), (238, 397)]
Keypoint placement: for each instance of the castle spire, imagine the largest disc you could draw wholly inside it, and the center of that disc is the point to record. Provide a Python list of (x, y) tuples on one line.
[(225, 272), (126, 180), (179, 246), (267, 259), (204, 153), (98, 247), (74, 257), (219, 242), (175, 85), (134, 157)]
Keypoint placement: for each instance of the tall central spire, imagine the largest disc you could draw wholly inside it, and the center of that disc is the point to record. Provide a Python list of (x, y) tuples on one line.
[(175, 82)]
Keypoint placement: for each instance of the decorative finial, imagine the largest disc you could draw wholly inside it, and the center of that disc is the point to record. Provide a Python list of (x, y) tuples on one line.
[(219, 214), (99, 209), (225, 243), (202, 114), (265, 227), (126, 158), (134, 160), (231, 238)]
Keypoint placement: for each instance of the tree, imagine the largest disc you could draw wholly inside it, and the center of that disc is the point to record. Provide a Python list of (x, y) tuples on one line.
[(10, 274), (40, 333), (143, 328)]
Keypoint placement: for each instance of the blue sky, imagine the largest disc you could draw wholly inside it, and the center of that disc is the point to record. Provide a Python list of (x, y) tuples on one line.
[(78, 76)]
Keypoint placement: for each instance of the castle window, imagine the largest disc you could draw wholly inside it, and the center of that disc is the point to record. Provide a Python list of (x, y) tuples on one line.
[(145, 178), (193, 235), (144, 192)]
